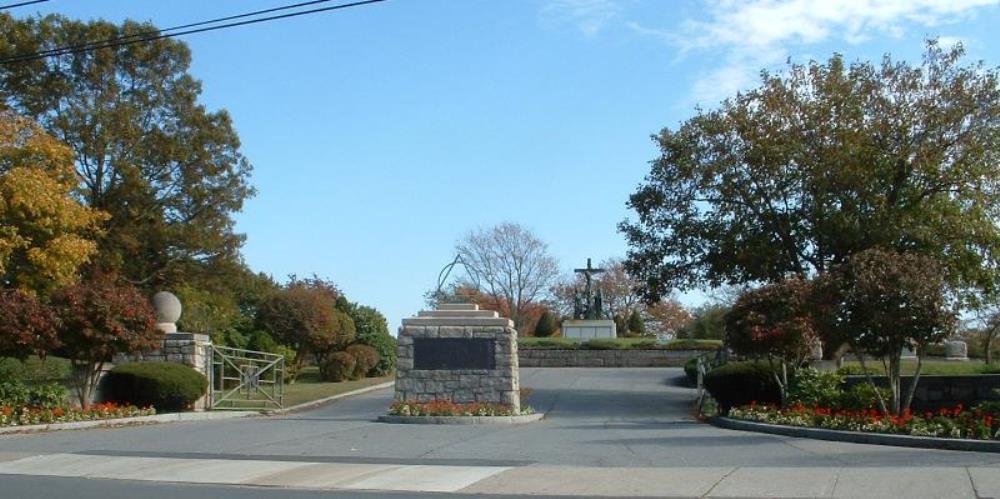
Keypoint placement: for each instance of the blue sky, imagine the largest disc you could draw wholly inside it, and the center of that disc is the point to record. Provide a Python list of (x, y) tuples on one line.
[(380, 134)]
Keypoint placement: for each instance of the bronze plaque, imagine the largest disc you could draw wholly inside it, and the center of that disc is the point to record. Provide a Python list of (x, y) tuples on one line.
[(442, 354)]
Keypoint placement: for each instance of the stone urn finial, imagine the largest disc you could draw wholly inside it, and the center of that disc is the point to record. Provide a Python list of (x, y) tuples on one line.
[(168, 311)]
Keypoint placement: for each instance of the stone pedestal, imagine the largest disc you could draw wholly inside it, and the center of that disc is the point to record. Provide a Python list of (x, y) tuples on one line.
[(582, 329), (956, 350), (458, 353)]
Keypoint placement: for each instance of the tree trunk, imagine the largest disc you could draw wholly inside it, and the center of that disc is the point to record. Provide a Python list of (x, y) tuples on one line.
[(895, 381), (871, 382)]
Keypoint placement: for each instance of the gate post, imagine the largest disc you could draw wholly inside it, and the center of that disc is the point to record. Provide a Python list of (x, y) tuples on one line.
[(190, 349)]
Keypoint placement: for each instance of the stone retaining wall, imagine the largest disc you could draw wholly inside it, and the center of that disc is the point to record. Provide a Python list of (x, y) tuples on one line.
[(605, 358), (945, 391)]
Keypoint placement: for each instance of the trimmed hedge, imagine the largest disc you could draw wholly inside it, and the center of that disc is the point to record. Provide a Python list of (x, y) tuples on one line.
[(365, 358), (535, 343), (740, 383), (166, 386), (338, 367)]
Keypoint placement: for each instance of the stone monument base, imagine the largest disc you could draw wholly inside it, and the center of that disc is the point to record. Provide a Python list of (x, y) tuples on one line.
[(582, 329), (458, 353)]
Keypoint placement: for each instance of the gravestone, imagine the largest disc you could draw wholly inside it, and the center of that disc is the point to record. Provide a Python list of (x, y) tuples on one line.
[(458, 353), (956, 350)]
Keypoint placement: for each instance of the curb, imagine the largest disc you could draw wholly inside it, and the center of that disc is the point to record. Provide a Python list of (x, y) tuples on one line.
[(318, 402), (859, 437), (486, 420), (176, 417)]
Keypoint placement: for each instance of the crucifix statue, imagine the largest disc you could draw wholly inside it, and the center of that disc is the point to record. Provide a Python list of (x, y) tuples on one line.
[(592, 309)]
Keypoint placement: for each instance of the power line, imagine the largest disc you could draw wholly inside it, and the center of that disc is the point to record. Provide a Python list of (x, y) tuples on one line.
[(21, 4), (160, 34), (88, 45)]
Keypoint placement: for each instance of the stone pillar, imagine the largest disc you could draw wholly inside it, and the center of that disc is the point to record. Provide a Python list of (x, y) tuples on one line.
[(189, 349), (458, 353)]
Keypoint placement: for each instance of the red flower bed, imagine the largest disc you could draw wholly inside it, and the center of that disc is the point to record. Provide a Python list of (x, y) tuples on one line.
[(27, 415), (980, 423), (449, 408)]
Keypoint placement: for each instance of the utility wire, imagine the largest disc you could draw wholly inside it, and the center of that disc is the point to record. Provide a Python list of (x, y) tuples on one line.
[(21, 4), (160, 34), (88, 45)]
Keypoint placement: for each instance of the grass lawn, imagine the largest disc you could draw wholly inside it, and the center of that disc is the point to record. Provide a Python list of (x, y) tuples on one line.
[(937, 367), (309, 387)]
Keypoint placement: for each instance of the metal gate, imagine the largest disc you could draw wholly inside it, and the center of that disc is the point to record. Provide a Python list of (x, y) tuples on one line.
[(244, 379)]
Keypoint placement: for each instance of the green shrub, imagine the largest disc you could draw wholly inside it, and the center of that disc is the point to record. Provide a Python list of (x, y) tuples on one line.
[(691, 370), (18, 394), (339, 366), (373, 330), (814, 388), (604, 344), (856, 370), (547, 325), (365, 358), (691, 344), (385, 349), (534, 343), (860, 396), (167, 386), (33, 370), (740, 383)]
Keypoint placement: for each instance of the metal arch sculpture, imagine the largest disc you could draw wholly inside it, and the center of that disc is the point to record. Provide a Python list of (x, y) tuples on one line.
[(446, 272)]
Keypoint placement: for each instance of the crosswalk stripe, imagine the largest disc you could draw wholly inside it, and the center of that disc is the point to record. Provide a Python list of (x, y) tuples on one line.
[(300, 474)]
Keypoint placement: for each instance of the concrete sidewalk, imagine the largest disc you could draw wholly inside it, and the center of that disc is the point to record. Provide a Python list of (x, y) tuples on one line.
[(926, 482)]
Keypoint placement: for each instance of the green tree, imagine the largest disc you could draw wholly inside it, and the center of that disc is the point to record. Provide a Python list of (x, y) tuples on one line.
[(546, 325), (825, 161), (636, 325), (168, 171), (99, 318), (708, 323), (372, 329), (891, 301)]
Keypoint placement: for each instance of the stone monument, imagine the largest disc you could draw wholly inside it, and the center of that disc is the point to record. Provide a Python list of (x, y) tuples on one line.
[(459, 353), (589, 320), (956, 350)]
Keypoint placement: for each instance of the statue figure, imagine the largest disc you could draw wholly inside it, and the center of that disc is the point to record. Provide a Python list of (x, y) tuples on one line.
[(599, 305), (593, 305), (577, 306)]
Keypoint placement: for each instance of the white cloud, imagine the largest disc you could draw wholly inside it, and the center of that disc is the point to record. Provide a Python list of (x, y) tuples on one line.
[(749, 35), (589, 16)]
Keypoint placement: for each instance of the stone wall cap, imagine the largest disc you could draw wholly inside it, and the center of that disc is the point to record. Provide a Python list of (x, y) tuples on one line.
[(458, 306), (588, 322), (479, 314), (457, 321)]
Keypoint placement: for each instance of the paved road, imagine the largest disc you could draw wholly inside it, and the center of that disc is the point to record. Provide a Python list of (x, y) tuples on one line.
[(597, 418)]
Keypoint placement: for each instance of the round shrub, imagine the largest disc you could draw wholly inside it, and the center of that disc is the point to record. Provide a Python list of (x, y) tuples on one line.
[(691, 370), (339, 366), (366, 359), (164, 385), (740, 383)]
